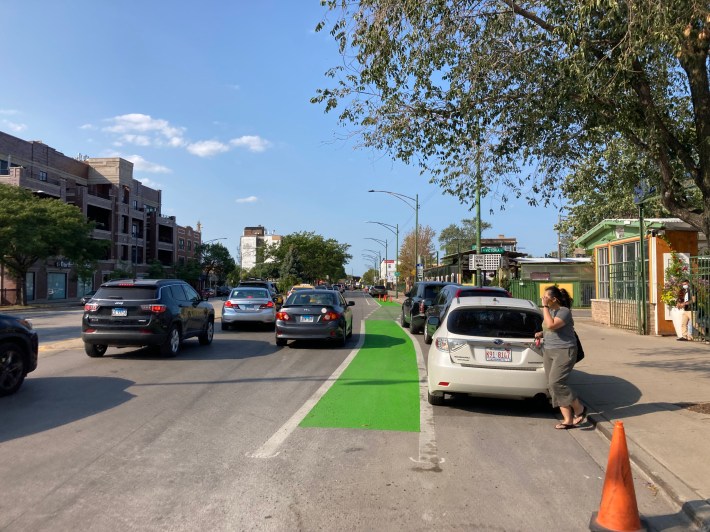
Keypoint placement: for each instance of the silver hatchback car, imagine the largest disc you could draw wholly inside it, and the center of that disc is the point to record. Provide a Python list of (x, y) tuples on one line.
[(248, 304)]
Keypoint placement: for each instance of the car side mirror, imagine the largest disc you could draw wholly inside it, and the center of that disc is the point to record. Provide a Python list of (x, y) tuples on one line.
[(427, 302), (351, 303), (433, 321)]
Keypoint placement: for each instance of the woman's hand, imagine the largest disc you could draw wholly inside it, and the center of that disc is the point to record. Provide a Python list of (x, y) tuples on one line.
[(538, 334)]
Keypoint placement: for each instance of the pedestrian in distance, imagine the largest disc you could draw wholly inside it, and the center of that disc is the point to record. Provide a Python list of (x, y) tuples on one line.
[(685, 303), (559, 354)]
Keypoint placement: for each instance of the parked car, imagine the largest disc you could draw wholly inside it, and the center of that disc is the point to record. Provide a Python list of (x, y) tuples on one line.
[(447, 294), (417, 300), (141, 312), (377, 290), (315, 315), (222, 291), (86, 297), (19, 346), (207, 293), (276, 296), (484, 346), (248, 304)]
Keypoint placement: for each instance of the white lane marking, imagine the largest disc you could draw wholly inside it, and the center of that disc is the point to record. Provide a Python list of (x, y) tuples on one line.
[(428, 452), (270, 449)]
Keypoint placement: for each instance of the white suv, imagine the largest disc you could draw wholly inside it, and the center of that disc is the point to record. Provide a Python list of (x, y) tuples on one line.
[(484, 346)]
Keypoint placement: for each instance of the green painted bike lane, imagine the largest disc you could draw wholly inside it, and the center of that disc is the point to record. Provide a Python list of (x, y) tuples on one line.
[(379, 390)]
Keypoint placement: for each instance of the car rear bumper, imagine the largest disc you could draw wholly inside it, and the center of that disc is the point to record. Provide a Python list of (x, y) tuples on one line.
[(484, 382), (331, 331), (124, 338), (260, 316)]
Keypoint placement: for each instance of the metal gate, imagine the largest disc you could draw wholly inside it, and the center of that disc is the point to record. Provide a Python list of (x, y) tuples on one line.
[(625, 299), (700, 290)]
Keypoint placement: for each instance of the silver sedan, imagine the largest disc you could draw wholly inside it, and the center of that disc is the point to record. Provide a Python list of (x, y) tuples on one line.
[(248, 305)]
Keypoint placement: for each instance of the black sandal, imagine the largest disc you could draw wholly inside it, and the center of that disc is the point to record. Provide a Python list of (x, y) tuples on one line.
[(582, 416)]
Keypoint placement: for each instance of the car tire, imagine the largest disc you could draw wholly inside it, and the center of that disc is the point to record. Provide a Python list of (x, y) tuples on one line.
[(427, 338), (281, 342), (171, 347), (405, 323), (95, 350), (12, 368), (436, 400), (206, 337)]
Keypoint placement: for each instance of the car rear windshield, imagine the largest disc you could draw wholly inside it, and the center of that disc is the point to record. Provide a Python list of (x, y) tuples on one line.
[(430, 292), (126, 292), (468, 292), (244, 293), (312, 298), (494, 323)]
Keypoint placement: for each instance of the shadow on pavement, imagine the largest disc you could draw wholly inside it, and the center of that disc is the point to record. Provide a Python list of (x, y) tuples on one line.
[(222, 348), (48, 402)]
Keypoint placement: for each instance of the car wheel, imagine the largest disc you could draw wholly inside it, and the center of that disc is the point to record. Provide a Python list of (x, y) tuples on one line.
[(12, 368), (281, 342), (340, 342), (206, 337), (436, 400), (172, 344), (427, 338), (95, 350), (405, 323)]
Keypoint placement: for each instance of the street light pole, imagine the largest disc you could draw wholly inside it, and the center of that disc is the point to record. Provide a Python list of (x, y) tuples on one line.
[(382, 243), (396, 259), (415, 199)]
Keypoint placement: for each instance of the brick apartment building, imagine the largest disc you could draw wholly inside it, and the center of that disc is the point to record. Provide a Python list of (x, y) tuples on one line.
[(126, 212)]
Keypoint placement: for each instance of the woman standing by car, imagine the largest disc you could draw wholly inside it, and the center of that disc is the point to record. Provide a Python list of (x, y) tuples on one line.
[(560, 355)]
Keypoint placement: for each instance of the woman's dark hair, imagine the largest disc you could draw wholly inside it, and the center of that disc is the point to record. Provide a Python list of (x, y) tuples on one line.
[(560, 294)]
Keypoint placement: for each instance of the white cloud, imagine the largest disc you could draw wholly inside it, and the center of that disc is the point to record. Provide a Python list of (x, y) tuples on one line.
[(137, 127), (13, 126), (251, 142), (207, 148), (140, 164), (87, 126), (249, 199)]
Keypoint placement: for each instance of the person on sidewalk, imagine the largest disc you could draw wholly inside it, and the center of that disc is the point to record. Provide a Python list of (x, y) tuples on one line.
[(559, 354), (685, 303)]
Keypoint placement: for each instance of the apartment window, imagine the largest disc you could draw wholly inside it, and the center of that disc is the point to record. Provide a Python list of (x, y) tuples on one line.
[(189, 245), (42, 175), (135, 204), (603, 272), (181, 243)]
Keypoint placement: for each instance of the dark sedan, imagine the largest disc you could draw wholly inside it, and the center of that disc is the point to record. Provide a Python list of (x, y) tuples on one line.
[(315, 315), (18, 352)]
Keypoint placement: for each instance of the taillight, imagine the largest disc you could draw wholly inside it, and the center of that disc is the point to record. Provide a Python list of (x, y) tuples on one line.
[(270, 304), (91, 307), (155, 309), (229, 304), (282, 316), (421, 307), (331, 316)]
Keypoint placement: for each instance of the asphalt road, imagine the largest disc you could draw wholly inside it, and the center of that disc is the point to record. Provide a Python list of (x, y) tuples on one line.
[(210, 441)]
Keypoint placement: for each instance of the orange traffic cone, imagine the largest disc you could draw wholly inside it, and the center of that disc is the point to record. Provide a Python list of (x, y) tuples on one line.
[(618, 510)]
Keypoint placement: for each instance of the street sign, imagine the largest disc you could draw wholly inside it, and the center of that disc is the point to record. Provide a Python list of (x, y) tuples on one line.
[(484, 262), (420, 272), (396, 274), (492, 250)]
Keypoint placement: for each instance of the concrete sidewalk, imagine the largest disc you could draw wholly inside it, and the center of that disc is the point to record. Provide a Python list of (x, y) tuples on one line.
[(648, 383)]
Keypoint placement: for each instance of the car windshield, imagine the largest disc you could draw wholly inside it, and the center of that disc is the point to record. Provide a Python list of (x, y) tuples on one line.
[(249, 293), (312, 298), (126, 292), (482, 292), (494, 323)]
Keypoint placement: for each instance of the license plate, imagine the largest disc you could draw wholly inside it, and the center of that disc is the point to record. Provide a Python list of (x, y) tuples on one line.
[(499, 355), (119, 312), (307, 319)]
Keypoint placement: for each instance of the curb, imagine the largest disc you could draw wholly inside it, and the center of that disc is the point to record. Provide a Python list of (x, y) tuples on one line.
[(679, 493)]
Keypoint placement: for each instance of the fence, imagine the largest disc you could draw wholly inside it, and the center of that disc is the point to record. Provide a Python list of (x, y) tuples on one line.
[(582, 291), (626, 304), (699, 278)]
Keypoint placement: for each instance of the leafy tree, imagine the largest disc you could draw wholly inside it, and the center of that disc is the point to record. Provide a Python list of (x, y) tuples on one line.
[(312, 256), (123, 270), (425, 247), (460, 237), (535, 87), (214, 259), (189, 271), (33, 229), (370, 276), (156, 270)]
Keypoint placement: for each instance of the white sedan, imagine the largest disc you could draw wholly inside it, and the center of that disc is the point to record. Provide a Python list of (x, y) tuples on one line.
[(485, 347)]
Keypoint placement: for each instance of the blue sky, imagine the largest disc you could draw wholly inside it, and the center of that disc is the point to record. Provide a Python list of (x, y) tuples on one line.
[(210, 101)]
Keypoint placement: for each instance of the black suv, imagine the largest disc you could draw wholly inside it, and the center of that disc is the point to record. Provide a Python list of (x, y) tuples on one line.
[(447, 294), (138, 312), (18, 352), (417, 300), (276, 296)]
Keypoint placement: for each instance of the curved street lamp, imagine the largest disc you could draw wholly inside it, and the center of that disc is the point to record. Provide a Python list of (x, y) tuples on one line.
[(404, 198), (383, 243), (395, 230)]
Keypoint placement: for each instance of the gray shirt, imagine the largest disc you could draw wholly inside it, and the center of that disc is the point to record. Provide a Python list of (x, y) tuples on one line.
[(564, 336)]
